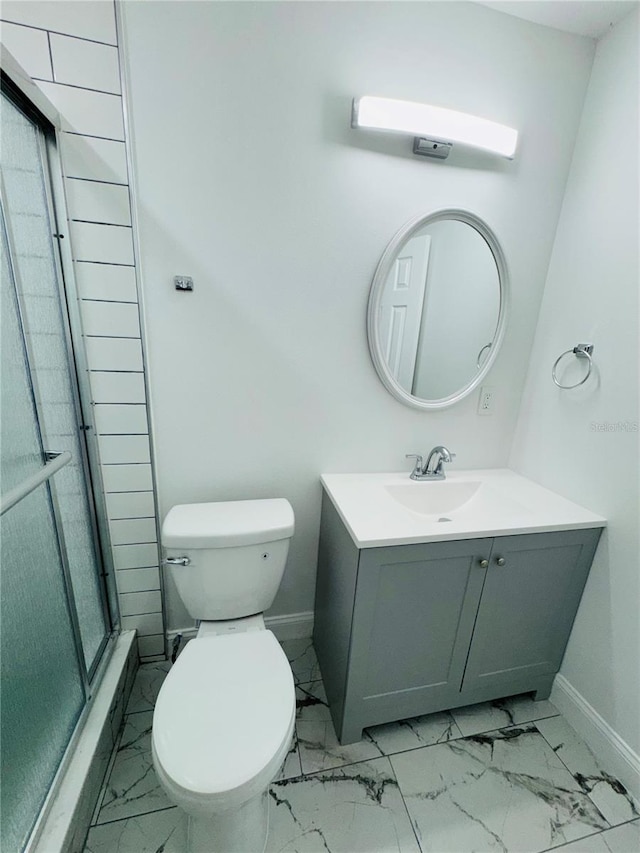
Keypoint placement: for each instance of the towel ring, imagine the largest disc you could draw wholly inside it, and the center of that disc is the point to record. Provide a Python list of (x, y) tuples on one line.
[(580, 351)]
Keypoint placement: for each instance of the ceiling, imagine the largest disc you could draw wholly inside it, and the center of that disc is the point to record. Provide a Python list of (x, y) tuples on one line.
[(592, 18)]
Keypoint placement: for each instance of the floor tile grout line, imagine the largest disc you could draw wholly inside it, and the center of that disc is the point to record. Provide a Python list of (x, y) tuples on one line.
[(404, 802), (451, 739), (564, 763), (132, 816), (502, 728), (314, 773), (499, 728), (421, 746), (584, 837), (387, 754), (440, 743)]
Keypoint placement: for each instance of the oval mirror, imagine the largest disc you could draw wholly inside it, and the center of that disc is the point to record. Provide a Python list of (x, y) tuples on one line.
[(437, 308)]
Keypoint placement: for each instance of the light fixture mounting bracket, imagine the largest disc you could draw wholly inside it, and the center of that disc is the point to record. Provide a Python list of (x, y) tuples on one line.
[(431, 147)]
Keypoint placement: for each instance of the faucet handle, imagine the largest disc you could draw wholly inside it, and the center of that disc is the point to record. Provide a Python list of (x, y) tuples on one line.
[(418, 467), (444, 455)]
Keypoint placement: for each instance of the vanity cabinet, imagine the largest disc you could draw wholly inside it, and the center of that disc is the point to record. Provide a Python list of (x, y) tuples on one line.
[(413, 629)]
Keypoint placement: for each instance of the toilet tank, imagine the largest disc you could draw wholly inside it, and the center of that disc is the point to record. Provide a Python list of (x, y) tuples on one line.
[(236, 550)]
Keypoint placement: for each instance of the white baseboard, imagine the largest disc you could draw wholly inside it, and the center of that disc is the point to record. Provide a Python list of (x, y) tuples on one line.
[(614, 753), (290, 626)]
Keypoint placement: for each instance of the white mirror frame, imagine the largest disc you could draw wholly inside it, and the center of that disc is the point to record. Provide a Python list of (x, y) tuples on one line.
[(379, 280)]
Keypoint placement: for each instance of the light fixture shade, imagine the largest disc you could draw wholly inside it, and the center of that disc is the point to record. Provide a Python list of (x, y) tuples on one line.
[(434, 122)]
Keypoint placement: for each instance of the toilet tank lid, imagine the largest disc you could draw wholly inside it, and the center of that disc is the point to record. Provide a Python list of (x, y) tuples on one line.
[(227, 524)]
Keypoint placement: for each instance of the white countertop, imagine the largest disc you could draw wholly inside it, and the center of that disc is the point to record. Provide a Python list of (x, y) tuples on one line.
[(503, 503)]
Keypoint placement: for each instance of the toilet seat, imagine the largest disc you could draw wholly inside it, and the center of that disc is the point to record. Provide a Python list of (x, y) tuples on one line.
[(223, 720)]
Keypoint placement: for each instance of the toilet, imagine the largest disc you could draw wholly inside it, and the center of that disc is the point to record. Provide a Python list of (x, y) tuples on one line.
[(224, 718)]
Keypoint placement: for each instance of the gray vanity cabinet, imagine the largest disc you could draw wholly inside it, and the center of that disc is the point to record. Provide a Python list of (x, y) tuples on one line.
[(413, 629), (529, 600), (413, 618)]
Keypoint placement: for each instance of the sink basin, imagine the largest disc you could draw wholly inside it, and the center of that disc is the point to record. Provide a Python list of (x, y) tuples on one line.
[(391, 509), (434, 499)]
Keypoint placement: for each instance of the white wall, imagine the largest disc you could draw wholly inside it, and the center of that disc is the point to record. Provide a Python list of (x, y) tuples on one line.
[(250, 179), (70, 50), (591, 295)]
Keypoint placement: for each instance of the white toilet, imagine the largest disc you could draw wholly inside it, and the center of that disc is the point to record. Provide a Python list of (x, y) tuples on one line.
[(223, 721)]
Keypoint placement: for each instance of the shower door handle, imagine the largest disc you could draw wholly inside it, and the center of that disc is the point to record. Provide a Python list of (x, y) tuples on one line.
[(55, 461)]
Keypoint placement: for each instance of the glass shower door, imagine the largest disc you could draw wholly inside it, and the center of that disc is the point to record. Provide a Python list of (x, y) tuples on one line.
[(53, 615), (42, 684), (31, 226)]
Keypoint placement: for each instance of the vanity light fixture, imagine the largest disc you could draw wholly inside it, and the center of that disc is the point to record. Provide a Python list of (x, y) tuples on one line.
[(442, 126)]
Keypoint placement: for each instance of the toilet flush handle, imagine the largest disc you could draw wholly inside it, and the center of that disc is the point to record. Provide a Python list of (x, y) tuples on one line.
[(176, 561)]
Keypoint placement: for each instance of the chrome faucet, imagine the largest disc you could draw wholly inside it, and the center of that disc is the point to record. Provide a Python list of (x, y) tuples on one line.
[(425, 472)]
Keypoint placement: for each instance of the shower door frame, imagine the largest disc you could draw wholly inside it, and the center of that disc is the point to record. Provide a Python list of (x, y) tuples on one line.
[(83, 400), (83, 412), (76, 359)]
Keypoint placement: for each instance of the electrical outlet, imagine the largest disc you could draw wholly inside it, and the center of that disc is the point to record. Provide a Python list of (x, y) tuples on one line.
[(486, 401)]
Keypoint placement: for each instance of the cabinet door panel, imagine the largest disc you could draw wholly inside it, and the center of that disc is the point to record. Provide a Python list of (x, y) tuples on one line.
[(528, 606), (415, 607)]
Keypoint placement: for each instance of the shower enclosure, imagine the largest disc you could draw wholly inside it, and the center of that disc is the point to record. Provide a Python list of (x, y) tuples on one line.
[(56, 612)]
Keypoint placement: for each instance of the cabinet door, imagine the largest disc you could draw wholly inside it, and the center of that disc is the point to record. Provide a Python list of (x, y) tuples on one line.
[(527, 608), (412, 623)]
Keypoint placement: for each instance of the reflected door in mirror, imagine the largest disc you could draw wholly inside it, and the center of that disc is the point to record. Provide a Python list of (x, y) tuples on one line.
[(401, 308)]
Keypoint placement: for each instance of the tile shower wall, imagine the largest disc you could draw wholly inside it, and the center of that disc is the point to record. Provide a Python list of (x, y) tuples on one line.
[(70, 50)]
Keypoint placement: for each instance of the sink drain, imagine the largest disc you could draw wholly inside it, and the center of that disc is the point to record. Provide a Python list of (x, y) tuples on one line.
[(444, 518)]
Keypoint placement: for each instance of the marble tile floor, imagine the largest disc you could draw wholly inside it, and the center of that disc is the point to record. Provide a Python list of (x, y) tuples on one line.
[(507, 776)]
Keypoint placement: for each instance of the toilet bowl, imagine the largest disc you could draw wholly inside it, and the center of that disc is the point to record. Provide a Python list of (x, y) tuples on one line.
[(222, 727), (224, 718)]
